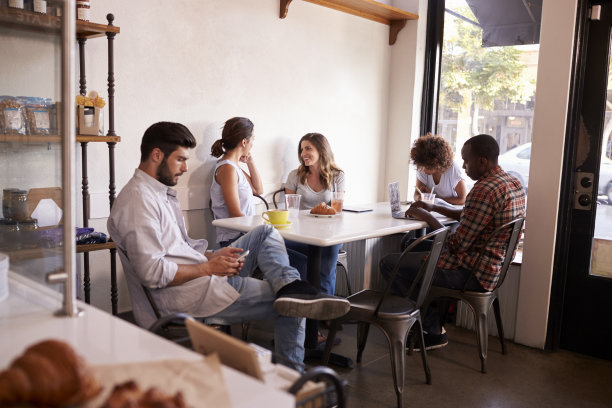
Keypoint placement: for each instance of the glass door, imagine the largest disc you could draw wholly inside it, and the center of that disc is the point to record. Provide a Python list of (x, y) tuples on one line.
[(588, 234), (37, 145)]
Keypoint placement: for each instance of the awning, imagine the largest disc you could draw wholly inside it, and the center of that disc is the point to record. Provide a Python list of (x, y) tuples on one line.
[(508, 22)]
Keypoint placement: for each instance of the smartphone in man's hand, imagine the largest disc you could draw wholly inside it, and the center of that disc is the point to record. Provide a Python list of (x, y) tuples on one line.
[(243, 256)]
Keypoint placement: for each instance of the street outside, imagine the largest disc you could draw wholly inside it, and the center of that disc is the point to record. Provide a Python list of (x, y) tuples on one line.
[(603, 222)]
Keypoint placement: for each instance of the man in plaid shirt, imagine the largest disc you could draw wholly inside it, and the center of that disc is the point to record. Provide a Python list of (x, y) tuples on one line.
[(496, 198)]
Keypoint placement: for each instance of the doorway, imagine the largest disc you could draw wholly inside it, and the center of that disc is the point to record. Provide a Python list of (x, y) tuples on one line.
[(582, 318)]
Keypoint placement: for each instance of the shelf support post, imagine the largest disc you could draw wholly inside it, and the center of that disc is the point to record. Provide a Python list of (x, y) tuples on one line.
[(85, 189), (111, 78), (111, 152), (82, 80)]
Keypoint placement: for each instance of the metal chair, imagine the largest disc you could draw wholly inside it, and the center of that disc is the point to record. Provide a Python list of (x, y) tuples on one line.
[(212, 214), (172, 327), (480, 302), (334, 393), (394, 315), (276, 201)]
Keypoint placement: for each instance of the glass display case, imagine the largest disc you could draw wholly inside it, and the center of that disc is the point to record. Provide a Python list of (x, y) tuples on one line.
[(37, 145)]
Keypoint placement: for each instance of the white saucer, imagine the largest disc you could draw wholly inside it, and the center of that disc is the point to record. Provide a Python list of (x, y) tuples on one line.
[(278, 225), (323, 215)]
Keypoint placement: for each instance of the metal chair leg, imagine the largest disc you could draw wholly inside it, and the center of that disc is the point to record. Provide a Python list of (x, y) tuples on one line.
[(423, 352), (329, 343), (362, 336), (500, 327), (481, 320), (396, 336)]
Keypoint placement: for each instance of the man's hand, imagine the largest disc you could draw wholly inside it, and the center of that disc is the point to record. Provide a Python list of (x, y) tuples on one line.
[(227, 251), (421, 211), (417, 208), (222, 265)]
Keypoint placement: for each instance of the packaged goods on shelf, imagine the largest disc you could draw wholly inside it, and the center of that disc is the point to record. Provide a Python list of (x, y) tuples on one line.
[(12, 117), (38, 115)]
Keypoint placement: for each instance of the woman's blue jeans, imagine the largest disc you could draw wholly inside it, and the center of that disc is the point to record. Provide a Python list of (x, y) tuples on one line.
[(329, 259)]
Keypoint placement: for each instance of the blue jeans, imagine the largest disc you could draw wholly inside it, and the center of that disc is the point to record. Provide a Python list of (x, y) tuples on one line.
[(329, 259), (267, 251), (296, 259), (447, 278)]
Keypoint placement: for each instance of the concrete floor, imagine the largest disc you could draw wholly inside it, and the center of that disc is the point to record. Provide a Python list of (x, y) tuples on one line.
[(524, 377)]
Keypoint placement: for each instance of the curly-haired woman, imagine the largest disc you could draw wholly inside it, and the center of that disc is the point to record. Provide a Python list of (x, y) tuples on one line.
[(315, 180), (433, 158)]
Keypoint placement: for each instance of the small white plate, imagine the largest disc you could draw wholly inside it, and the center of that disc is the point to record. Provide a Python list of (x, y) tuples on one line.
[(323, 215), (278, 226)]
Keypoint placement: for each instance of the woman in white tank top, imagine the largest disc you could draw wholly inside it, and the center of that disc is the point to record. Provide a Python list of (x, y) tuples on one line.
[(232, 188)]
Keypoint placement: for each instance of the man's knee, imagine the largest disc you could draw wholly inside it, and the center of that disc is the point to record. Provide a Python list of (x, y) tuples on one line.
[(264, 230)]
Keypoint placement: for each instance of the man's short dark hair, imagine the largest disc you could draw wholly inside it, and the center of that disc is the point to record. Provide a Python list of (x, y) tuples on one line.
[(484, 146), (167, 137)]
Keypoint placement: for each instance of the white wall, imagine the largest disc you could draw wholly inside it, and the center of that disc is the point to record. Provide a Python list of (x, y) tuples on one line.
[(405, 91), (554, 74), (201, 63)]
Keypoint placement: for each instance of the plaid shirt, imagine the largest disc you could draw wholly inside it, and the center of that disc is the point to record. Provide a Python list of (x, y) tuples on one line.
[(496, 198)]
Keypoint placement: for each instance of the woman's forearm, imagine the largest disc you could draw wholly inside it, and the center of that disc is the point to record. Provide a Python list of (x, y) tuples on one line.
[(254, 177)]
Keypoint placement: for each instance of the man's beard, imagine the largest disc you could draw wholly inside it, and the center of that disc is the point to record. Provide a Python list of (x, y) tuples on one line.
[(164, 175)]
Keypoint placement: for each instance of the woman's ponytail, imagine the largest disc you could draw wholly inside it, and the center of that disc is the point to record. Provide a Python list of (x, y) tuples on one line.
[(217, 148)]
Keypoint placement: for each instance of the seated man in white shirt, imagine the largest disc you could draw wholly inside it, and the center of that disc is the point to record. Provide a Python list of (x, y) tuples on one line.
[(148, 228)]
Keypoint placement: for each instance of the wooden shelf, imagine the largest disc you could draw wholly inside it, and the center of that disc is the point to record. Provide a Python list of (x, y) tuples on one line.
[(95, 247), (372, 10), (86, 29), (33, 253), (33, 139), (47, 23), (93, 138)]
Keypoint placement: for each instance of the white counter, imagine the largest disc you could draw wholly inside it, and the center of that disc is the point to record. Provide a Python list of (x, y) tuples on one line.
[(27, 316)]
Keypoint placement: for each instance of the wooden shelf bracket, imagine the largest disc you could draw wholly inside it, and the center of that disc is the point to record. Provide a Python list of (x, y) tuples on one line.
[(394, 28), (284, 8)]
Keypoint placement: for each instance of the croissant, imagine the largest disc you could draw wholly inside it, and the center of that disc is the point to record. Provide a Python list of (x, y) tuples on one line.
[(322, 209), (48, 373), (129, 395)]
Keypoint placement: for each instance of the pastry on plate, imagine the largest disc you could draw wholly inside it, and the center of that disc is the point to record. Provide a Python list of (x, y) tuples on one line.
[(322, 209)]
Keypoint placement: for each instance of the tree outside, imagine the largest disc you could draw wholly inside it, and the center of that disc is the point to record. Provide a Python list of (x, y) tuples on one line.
[(484, 89)]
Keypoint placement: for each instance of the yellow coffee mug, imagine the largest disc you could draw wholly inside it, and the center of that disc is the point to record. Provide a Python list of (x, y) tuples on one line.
[(276, 217)]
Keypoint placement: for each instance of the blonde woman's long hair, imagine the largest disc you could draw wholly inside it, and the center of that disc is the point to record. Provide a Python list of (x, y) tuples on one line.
[(326, 160)]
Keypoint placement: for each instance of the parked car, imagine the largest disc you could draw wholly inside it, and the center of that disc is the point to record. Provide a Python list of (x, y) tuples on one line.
[(516, 162)]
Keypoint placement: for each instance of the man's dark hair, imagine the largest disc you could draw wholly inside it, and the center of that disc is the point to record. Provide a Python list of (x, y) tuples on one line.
[(484, 146), (167, 137)]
